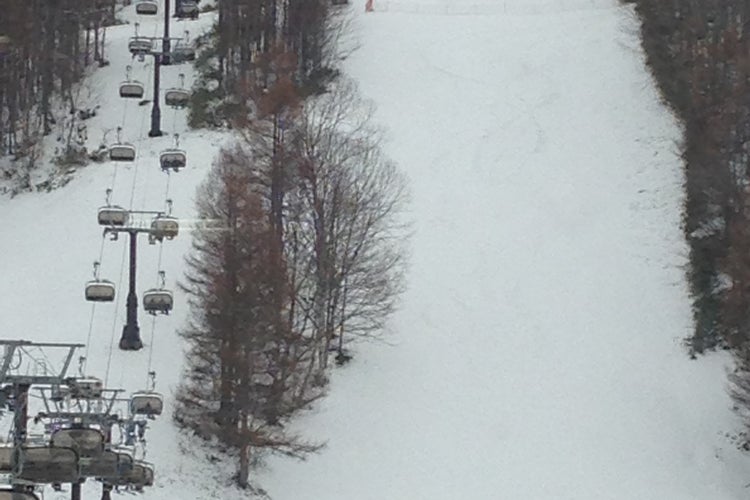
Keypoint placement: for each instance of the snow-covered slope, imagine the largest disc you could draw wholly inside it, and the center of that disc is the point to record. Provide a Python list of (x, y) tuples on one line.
[(50, 240), (537, 353)]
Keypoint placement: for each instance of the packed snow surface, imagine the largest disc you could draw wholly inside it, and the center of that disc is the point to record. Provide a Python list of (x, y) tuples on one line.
[(538, 350)]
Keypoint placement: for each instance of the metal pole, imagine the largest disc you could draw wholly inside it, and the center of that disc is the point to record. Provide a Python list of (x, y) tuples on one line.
[(75, 491), (20, 419), (131, 339), (165, 42), (155, 111), (106, 487), (21, 413)]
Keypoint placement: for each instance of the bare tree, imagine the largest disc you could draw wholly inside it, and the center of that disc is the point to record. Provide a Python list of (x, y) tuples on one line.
[(348, 216), (244, 365)]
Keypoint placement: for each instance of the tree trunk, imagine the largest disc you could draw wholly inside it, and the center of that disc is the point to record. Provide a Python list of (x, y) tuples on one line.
[(244, 470)]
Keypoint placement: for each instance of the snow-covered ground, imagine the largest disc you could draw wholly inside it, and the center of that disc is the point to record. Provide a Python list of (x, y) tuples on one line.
[(538, 351), (50, 241)]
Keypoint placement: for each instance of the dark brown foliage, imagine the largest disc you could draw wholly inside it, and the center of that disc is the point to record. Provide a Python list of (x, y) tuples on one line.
[(700, 55)]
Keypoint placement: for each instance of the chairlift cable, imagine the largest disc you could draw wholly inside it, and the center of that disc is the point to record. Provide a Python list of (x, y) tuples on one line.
[(125, 112), (114, 316), (132, 198), (166, 196), (151, 344), (140, 133), (93, 304), (137, 161)]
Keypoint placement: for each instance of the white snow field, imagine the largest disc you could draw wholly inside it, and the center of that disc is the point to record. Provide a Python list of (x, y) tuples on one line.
[(538, 351)]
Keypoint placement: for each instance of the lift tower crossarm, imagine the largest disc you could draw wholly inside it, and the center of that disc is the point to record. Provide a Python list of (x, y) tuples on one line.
[(11, 347)]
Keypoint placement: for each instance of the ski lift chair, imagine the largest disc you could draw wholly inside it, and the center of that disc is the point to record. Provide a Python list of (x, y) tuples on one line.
[(183, 52), (112, 215), (164, 226), (146, 8), (100, 291), (132, 90), (141, 475), (17, 495), (47, 464), (122, 152), (87, 442), (177, 98), (149, 404), (174, 159), (6, 459), (187, 8), (106, 465), (148, 474), (129, 472), (140, 46), (158, 300), (125, 463)]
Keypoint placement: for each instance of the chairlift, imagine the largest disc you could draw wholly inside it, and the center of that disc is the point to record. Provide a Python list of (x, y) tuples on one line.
[(17, 495), (132, 90), (140, 45), (141, 475), (339, 2), (146, 8), (173, 158), (87, 442), (164, 226), (130, 473), (148, 474), (149, 404), (85, 388), (183, 52), (187, 8), (123, 467), (100, 291), (158, 300), (125, 463), (6, 459), (112, 215), (177, 98), (47, 464), (106, 465), (122, 152)]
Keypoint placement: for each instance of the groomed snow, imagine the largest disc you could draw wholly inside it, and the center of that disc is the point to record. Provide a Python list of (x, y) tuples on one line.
[(538, 351)]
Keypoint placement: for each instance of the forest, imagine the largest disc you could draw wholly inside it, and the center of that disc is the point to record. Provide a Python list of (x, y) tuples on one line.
[(699, 54), (46, 47)]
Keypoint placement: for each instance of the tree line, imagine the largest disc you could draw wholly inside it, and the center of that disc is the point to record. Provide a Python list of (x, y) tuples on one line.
[(699, 53), (237, 52), (45, 48), (302, 243)]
